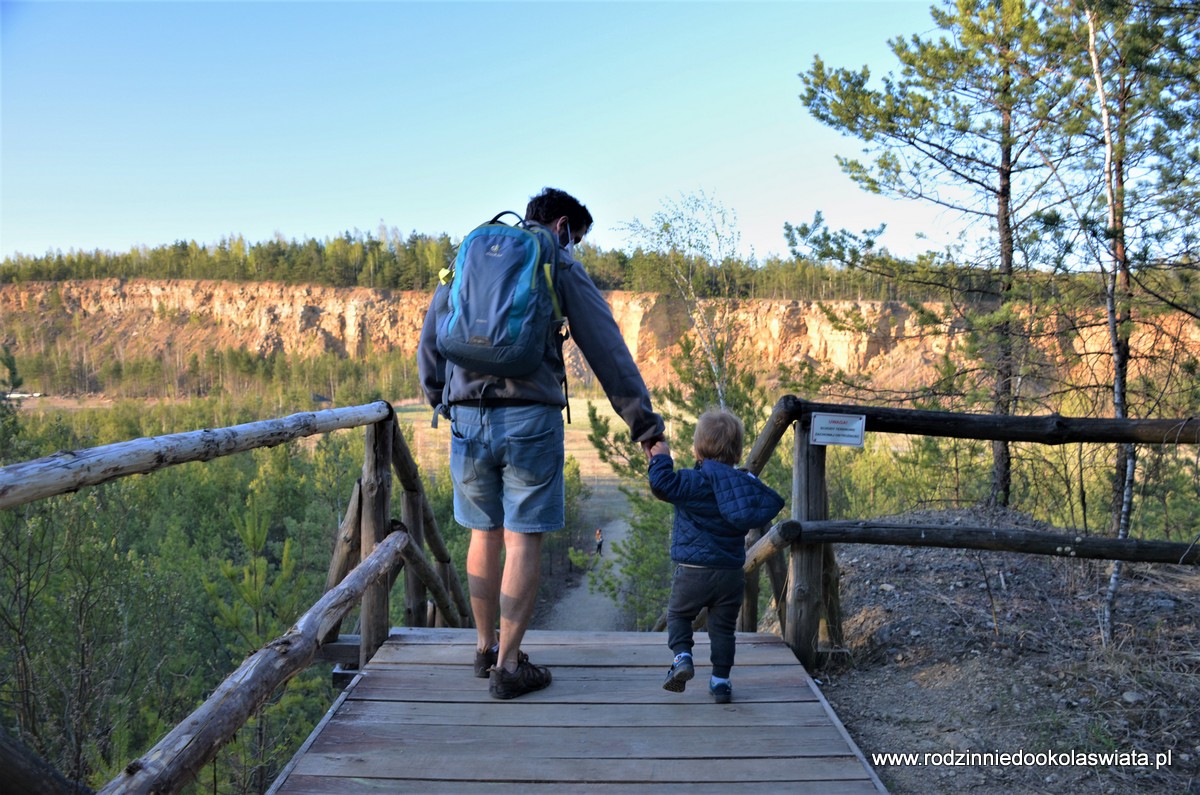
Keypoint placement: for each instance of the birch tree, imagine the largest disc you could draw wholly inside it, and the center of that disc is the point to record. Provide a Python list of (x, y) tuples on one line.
[(1138, 96)]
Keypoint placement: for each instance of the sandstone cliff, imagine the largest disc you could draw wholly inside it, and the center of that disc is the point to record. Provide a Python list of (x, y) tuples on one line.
[(144, 318)]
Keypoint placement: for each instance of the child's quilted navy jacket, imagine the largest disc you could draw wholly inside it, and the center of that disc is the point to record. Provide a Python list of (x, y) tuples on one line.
[(715, 506)]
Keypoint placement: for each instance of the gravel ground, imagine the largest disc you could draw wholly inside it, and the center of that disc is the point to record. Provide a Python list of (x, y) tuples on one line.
[(952, 652)]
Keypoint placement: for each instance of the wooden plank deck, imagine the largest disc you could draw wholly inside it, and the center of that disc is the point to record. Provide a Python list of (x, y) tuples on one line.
[(417, 720)]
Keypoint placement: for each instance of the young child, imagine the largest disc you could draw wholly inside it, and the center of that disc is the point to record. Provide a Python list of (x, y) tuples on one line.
[(715, 506)]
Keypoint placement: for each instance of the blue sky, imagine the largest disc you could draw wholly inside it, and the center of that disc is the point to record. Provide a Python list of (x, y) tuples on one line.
[(142, 123)]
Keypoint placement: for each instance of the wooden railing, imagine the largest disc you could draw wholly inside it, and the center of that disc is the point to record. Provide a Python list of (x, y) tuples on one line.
[(805, 585), (370, 550)]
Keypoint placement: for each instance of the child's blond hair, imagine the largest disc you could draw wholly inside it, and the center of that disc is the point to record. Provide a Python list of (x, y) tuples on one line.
[(719, 437)]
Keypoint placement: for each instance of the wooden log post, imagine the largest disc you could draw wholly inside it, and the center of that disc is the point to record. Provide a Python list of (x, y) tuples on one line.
[(802, 611), (376, 521), (782, 418), (347, 540), (194, 742), (409, 476), (433, 539), (412, 514), (347, 547), (748, 617), (760, 453), (418, 567), (831, 598), (444, 572), (416, 613), (777, 576)]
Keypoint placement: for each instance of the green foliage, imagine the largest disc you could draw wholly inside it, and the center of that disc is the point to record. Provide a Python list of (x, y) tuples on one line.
[(10, 429), (1167, 503), (262, 598), (388, 261), (103, 592), (85, 677), (255, 601)]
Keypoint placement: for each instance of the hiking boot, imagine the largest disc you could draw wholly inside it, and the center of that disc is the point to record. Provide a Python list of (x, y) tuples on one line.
[(681, 671), (485, 660), (722, 692), (526, 679)]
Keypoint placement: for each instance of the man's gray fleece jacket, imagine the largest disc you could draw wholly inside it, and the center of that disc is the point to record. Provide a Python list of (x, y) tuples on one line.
[(592, 328)]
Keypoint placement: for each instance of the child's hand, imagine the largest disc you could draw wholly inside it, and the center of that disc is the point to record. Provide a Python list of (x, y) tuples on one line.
[(660, 447)]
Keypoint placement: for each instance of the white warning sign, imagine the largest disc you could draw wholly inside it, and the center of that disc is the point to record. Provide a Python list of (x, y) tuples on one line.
[(844, 429)]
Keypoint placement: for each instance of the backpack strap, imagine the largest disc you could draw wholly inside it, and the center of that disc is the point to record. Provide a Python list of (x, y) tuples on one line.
[(520, 220), (560, 330)]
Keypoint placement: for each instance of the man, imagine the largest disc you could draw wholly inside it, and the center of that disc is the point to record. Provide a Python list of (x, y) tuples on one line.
[(507, 454)]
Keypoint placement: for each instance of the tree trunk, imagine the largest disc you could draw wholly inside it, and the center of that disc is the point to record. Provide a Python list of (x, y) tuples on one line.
[(25, 771), (1003, 397)]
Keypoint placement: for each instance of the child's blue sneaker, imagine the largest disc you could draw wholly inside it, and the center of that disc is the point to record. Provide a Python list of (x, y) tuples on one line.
[(681, 671), (722, 692)]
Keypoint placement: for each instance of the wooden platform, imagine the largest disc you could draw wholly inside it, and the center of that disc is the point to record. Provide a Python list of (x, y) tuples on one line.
[(417, 720)]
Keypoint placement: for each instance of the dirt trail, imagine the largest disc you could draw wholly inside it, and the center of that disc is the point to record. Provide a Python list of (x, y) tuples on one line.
[(577, 607)]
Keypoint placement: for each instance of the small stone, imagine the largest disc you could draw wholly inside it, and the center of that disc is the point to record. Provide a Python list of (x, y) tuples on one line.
[(886, 587), (1132, 697)]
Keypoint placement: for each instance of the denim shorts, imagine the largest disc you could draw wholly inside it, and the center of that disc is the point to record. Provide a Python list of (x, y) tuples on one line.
[(507, 466)]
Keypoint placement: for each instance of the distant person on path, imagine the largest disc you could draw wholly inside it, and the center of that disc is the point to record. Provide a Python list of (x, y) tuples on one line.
[(715, 506), (599, 542), (507, 453)]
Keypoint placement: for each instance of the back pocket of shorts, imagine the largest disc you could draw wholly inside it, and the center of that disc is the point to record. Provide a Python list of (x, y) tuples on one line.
[(538, 457)]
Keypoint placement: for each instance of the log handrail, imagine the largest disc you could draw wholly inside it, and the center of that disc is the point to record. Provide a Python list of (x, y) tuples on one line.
[(374, 525), (1051, 429), (178, 757), (998, 539), (194, 742), (810, 536), (70, 470)]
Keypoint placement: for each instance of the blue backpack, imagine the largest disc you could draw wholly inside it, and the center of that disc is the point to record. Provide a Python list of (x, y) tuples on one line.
[(501, 309)]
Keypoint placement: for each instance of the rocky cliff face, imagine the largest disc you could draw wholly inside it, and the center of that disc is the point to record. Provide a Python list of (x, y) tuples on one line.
[(144, 318), (147, 318)]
